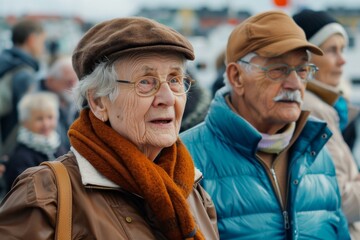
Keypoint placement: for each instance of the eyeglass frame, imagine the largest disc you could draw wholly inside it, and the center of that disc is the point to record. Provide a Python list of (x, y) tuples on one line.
[(188, 78), (290, 69)]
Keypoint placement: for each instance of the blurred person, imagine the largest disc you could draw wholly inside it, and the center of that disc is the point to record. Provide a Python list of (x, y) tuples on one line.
[(53, 47), (350, 132), (196, 107), (262, 157), (19, 64), (60, 79), (325, 101), (131, 176), (37, 139), (2, 180), (220, 70)]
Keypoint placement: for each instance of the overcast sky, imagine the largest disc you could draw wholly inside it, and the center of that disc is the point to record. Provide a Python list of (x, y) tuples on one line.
[(106, 9)]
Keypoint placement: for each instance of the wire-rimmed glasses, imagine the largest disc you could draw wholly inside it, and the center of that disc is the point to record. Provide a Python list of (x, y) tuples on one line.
[(279, 72), (149, 85)]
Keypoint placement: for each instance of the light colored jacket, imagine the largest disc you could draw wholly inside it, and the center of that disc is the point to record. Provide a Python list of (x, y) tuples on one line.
[(224, 148), (318, 100), (101, 209)]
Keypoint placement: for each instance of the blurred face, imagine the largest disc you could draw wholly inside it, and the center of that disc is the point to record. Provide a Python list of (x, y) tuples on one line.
[(331, 63), (153, 122), (37, 44), (41, 121), (268, 104), (63, 85), (66, 82)]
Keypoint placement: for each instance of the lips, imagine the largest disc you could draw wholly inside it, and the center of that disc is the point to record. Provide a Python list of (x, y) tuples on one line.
[(337, 73), (287, 101), (162, 121)]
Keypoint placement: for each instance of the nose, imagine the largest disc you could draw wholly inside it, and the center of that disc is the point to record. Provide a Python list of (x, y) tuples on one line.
[(164, 96), (293, 81), (341, 59), (47, 126)]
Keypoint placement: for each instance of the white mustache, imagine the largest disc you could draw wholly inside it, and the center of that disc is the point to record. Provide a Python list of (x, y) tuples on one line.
[(287, 95)]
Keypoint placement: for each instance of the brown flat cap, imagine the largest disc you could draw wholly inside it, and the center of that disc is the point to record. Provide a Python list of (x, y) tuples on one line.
[(268, 34), (109, 39)]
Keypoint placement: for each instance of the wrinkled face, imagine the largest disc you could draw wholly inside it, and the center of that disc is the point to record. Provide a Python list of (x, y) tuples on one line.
[(41, 121), (153, 122), (254, 93), (331, 63)]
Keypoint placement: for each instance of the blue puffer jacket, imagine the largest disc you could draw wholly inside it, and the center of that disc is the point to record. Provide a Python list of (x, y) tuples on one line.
[(224, 148)]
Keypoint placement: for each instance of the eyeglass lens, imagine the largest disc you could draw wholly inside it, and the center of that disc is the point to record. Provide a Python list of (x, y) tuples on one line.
[(149, 85)]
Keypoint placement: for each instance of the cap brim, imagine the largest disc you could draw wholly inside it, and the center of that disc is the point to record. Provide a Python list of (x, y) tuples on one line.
[(280, 47), (171, 48)]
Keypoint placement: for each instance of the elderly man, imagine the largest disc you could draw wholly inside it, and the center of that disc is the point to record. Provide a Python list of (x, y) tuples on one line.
[(262, 158), (60, 79)]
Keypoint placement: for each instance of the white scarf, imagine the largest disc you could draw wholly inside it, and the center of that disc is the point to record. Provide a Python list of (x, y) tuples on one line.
[(40, 143), (277, 142)]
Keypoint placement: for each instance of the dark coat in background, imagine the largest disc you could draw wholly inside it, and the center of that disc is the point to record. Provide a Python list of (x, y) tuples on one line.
[(24, 157)]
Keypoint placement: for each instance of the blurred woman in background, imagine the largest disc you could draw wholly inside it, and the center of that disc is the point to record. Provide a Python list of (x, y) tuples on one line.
[(37, 139)]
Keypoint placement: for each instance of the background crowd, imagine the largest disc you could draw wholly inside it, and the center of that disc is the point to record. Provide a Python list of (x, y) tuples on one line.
[(38, 108)]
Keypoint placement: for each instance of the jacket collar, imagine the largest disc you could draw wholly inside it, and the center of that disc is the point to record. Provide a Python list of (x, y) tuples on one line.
[(221, 120), (326, 92), (329, 95), (89, 175)]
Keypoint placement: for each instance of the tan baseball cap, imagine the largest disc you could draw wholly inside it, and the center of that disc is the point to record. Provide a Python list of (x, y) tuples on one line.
[(268, 34)]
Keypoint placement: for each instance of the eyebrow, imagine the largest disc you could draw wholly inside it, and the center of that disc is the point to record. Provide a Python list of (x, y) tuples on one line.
[(147, 69), (283, 57)]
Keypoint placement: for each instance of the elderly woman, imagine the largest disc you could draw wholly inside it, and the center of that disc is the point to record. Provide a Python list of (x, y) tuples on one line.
[(37, 139), (324, 100), (131, 176)]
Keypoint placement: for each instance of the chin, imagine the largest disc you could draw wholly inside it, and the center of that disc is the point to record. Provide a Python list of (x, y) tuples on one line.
[(291, 115), (165, 140)]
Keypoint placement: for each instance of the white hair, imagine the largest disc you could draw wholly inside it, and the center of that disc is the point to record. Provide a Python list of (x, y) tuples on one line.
[(37, 101), (101, 80), (56, 69), (247, 67)]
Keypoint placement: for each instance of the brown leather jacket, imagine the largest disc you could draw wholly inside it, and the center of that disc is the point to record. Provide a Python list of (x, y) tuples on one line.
[(99, 211)]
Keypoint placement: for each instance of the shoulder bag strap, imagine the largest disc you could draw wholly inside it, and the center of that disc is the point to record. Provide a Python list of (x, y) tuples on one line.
[(64, 212)]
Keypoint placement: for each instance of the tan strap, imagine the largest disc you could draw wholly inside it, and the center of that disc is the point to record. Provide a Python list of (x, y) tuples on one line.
[(64, 212)]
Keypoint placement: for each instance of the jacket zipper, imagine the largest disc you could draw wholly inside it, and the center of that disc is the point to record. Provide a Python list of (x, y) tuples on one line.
[(284, 213)]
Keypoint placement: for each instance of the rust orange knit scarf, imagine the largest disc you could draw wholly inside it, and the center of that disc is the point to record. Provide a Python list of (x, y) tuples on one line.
[(164, 185)]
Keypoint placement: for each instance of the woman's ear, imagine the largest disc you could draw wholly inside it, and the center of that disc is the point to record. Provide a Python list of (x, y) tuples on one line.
[(234, 74), (97, 106)]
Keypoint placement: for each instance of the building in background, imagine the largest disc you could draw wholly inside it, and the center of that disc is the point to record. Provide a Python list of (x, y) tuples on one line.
[(207, 28)]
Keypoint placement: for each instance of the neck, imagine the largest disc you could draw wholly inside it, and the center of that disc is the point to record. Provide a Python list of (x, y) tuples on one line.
[(26, 49), (256, 122), (151, 154)]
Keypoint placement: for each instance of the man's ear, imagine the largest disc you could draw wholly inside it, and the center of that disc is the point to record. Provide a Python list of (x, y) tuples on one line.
[(97, 106), (234, 74)]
